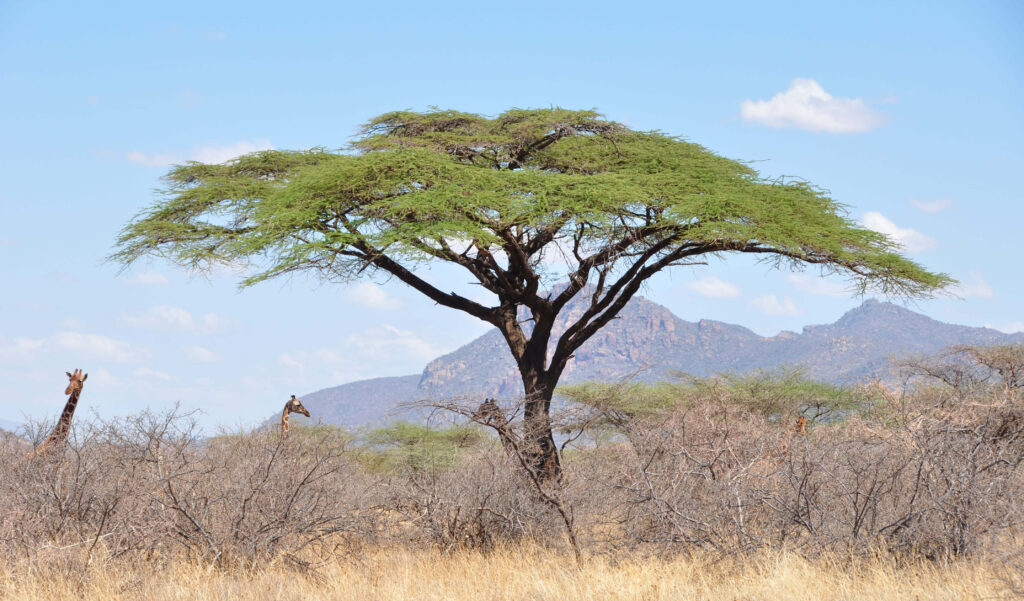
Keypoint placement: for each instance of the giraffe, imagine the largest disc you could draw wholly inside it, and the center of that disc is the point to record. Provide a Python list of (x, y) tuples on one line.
[(63, 427), (489, 414), (801, 425), (293, 405)]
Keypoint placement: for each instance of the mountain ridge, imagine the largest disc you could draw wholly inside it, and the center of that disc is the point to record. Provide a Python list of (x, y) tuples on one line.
[(648, 342)]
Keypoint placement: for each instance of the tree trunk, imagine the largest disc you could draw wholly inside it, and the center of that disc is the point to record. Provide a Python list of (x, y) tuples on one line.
[(539, 448)]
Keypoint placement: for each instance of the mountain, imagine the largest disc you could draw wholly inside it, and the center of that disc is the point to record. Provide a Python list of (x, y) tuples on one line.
[(9, 425), (358, 403), (648, 342)]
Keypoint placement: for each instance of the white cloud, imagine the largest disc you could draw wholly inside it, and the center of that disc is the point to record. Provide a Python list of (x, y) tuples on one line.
[(94, 345), (200, 354), (218, 154), (167, 318), (1012, 328), (100, 377), (210, 153), (910, 240), (152, 160), (714, 288), (806, 105), (145, 372), (771, 305), (364, 354), (372, 296), (932, 206), (148, 278), (188, 99), (977, 287), (20, 348), (82, 347), (289, 361), (817, 286), (390, 344), (162, 318)]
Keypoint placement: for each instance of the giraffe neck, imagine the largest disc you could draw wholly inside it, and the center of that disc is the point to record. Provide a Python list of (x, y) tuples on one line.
[(284, 420), (508, 441), (60, 431)]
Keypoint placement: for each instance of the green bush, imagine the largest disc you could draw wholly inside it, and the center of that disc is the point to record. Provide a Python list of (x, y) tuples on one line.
[(404, 447)]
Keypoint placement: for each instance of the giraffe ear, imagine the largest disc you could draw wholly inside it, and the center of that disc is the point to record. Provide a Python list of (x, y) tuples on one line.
[(85, 377), (69, 374)]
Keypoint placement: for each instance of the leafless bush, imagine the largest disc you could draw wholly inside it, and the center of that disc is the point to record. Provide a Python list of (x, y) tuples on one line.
[(966, 370), (915, 477), (485, 495), (660, 469), (149, 484)]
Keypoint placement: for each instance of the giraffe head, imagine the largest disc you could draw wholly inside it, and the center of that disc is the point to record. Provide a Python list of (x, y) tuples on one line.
[(295, 406), (76, 381)]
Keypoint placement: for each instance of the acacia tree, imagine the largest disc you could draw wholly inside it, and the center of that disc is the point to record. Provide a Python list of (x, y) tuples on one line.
[(500, 197)]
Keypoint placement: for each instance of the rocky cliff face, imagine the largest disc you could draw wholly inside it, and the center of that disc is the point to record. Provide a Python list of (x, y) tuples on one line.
[(648, 342)]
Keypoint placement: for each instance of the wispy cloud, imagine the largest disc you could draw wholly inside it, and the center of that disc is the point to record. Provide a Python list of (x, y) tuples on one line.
[(94, 346), (817, 286), (806, 105), (80, 348), (148, 278), (911, 240), (713, 287), (363, 355), (20, 348), (200, 354), (188, 99), (152, 160), (170, 319), (1013, 327), (771, 305), (388, 340), (210, 153), (976, 287), (370, 295), (147, 373), (932, 206)]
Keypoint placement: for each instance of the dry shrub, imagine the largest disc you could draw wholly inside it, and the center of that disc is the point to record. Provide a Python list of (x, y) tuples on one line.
[(149, 485), (693, 468)]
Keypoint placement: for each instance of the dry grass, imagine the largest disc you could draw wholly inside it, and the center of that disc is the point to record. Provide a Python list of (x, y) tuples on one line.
[(520, 573)]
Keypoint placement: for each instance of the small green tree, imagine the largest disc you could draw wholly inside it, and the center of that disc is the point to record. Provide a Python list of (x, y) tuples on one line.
[(498, 196)]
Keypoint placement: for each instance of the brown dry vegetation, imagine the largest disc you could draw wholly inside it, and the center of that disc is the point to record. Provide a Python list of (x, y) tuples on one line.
[(693, 490), (526, 573)]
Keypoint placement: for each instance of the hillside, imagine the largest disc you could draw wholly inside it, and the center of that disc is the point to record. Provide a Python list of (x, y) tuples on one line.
[(649, 342)]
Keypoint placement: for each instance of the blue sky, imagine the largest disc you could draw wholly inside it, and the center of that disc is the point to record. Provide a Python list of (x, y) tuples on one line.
[(910, 114)]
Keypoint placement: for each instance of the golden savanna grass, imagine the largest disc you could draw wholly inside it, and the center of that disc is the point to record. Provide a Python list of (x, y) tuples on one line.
[(527, 573)]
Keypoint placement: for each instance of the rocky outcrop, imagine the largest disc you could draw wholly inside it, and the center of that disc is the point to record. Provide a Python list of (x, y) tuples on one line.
[(648, 342)]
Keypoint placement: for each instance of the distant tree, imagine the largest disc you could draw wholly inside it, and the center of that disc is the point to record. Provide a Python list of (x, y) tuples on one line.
[(507, 198)]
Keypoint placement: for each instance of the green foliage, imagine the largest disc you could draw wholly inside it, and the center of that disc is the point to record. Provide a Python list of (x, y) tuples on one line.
[(405, 447), (774, 394), (629, 398), (414, 183), (778, 393)]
